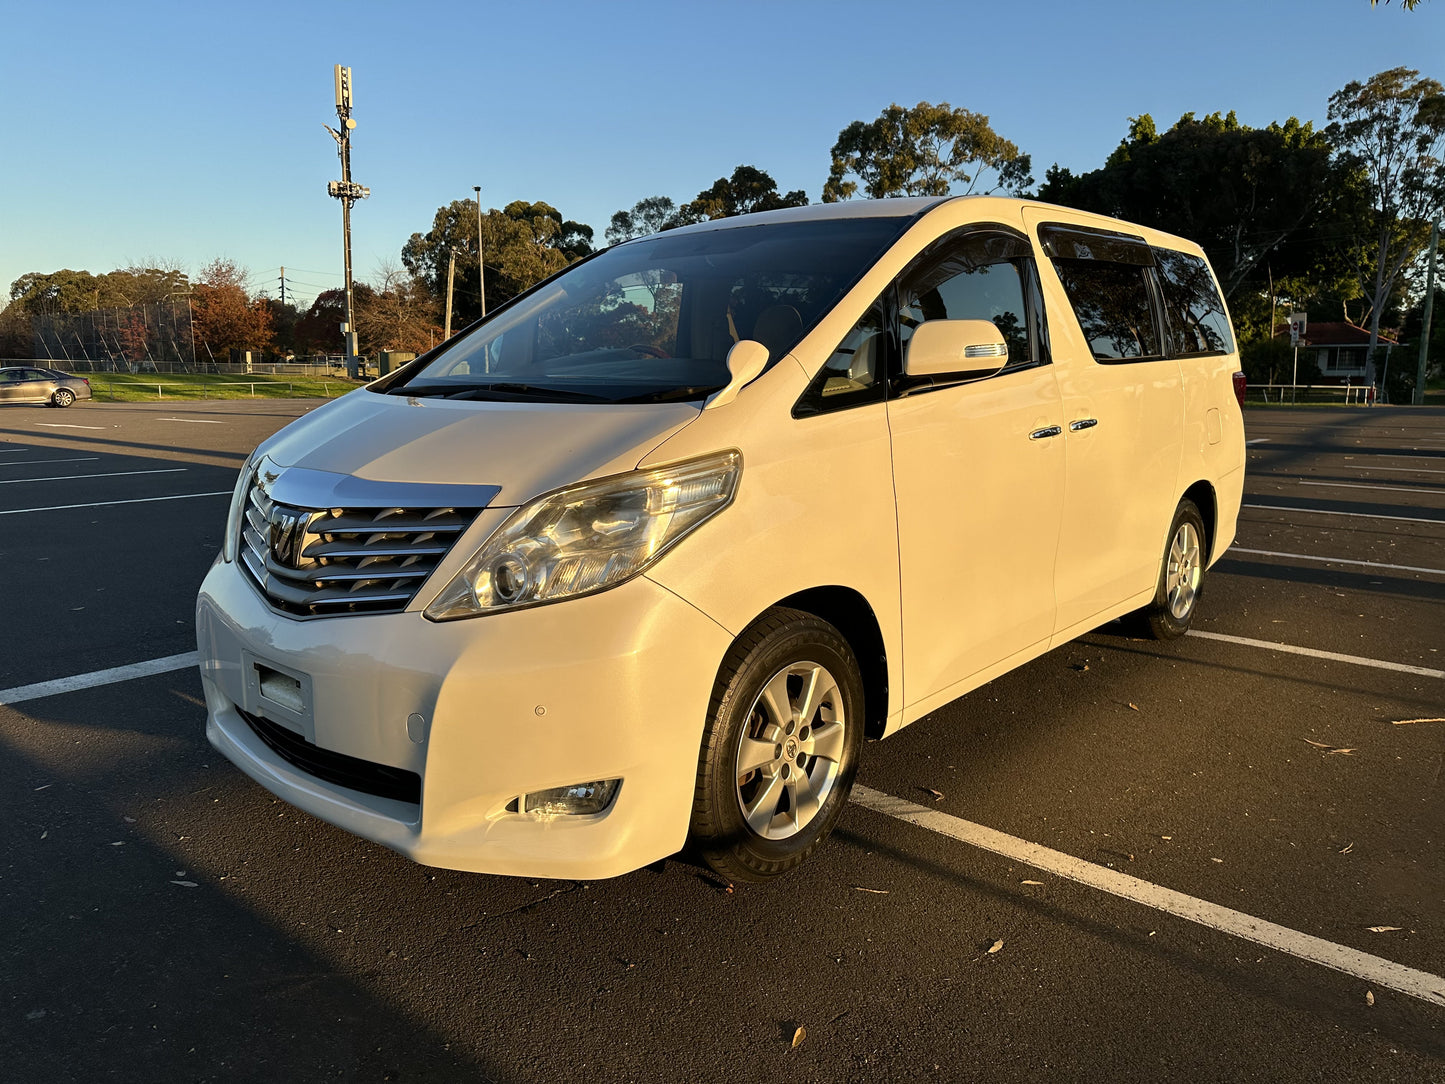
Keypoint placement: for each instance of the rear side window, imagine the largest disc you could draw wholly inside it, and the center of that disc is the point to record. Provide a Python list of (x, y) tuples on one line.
[(1112, 302), (1197, 323)]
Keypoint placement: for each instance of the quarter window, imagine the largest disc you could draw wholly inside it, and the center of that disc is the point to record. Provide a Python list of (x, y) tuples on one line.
[(853, 374), (1197, 323)]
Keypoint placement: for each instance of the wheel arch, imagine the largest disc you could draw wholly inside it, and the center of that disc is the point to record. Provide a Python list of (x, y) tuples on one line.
[(850, 613), (1203, 496)]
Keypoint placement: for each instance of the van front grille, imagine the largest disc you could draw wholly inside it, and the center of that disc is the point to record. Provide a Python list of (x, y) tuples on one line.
[(323, 562)]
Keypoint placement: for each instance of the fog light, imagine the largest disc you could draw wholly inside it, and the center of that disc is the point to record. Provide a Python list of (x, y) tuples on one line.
[(578, 799)]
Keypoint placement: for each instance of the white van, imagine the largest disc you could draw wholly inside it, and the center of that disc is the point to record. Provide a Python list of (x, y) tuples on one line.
[(642, 558)]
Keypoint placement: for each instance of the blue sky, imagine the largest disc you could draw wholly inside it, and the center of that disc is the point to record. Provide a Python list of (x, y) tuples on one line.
[(184, 132)]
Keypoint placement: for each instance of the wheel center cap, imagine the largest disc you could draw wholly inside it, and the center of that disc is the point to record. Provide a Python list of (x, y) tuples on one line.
[(790, 751)]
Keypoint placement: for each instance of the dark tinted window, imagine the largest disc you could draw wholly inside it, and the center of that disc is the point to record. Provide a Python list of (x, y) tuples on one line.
[(978, 276), (1197, 323), (1111, 301)]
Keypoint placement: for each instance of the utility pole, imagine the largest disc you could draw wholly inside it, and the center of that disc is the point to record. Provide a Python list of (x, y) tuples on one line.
[(481, 253), (1419, 397), (348, 193), (283, 284)]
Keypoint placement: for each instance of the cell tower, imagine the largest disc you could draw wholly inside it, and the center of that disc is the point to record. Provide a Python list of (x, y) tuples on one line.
[(348, 193)]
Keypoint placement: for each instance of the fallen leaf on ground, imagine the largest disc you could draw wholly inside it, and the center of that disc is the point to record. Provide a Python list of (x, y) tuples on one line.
[(1330, 749), (1407, 722), (995, 947), (1369, 997), (1219, 860), (875, 891), (1384, 929), (1347, 848), (798, 1037), (937, 794), (186, 884), (1341, 752), (1031, 882), (1134, 707)]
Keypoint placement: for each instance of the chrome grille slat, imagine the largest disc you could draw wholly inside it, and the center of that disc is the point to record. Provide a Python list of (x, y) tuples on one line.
[(324, 562)]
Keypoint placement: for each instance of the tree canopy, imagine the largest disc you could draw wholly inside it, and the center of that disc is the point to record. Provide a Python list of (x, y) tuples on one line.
[(928, 150), (1392, 129), (1244, 194), (524, 243)]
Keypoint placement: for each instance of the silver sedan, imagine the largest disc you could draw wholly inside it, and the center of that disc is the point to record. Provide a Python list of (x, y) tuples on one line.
[(26, 385)]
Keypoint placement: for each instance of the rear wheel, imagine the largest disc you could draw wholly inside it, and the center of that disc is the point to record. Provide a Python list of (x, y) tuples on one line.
[(63, 397), (1181, 578), (780, 749)]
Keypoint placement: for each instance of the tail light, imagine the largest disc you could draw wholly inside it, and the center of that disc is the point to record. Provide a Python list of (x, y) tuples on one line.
[(1240, 384)]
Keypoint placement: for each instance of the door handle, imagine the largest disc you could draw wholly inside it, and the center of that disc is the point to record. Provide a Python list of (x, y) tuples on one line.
[(1046, 432), (1082, 424)]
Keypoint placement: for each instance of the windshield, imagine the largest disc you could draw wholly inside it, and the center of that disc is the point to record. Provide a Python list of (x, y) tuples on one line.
[(653, 320)]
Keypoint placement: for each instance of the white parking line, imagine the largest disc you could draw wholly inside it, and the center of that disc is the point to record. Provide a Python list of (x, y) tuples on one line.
[(107, 504), (1356, 515), (73, 477), (1333, 656), (1361, 965), (1336, 561), (193, 421), (1379, 489), (99, 677), (63, 425), (1258, 440), (39, 462)]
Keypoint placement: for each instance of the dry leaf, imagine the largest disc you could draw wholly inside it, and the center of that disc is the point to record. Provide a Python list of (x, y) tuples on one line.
[(1318, 744), (995, 947), (1031, 882), (875, 891), (1341, 752), (1384, 929), (1369, 997), (186, 884), (1219, 860), (1407, 722), (1331, 749), (1347, 848), (937, 794), (1134, 707), (798, 1037)]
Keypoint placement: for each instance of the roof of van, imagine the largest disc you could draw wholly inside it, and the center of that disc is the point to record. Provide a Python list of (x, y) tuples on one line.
[(916, 206)]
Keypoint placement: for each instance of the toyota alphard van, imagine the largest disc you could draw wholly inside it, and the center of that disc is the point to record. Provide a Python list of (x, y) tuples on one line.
[(641, 559)]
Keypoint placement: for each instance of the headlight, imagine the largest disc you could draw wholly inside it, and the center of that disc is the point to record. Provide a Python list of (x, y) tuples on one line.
[(238, 506), (589, 537)]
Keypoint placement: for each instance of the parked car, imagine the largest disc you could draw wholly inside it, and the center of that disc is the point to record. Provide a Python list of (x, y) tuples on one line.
[(23, 384), (642, 557)]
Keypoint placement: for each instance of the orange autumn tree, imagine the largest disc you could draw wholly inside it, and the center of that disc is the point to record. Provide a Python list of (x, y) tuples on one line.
[(224, 316)]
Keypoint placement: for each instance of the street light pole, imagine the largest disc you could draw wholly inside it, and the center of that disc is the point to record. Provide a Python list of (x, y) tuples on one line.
[(1420, 370), (481, 252)]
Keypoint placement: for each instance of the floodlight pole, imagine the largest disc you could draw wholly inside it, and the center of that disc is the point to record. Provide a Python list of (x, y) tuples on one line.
[(348, 193)]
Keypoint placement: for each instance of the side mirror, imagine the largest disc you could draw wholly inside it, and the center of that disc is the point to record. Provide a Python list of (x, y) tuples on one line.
[(961, 349), (745, 361)]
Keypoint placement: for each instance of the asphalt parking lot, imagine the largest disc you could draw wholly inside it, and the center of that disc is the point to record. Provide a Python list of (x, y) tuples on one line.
[(1216, 859)]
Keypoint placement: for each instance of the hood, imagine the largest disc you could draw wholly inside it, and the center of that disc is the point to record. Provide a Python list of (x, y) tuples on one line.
[(525, 448)]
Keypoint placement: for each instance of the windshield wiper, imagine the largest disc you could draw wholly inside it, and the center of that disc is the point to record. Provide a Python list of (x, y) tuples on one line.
[(529, 391), (424, 391), (670, 395)]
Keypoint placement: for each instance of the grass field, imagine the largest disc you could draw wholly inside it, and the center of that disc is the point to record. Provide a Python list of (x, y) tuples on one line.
[(152, 387)]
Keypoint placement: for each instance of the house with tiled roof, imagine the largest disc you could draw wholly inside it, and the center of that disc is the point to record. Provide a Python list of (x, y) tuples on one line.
[(1338, 351)]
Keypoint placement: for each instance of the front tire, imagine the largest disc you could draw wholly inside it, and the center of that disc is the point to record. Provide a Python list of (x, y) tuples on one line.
[(785, 726), (63, 397), (1181, 577)]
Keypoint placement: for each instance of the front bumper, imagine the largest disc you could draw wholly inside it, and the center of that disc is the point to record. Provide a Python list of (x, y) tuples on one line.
[(481, 710)]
